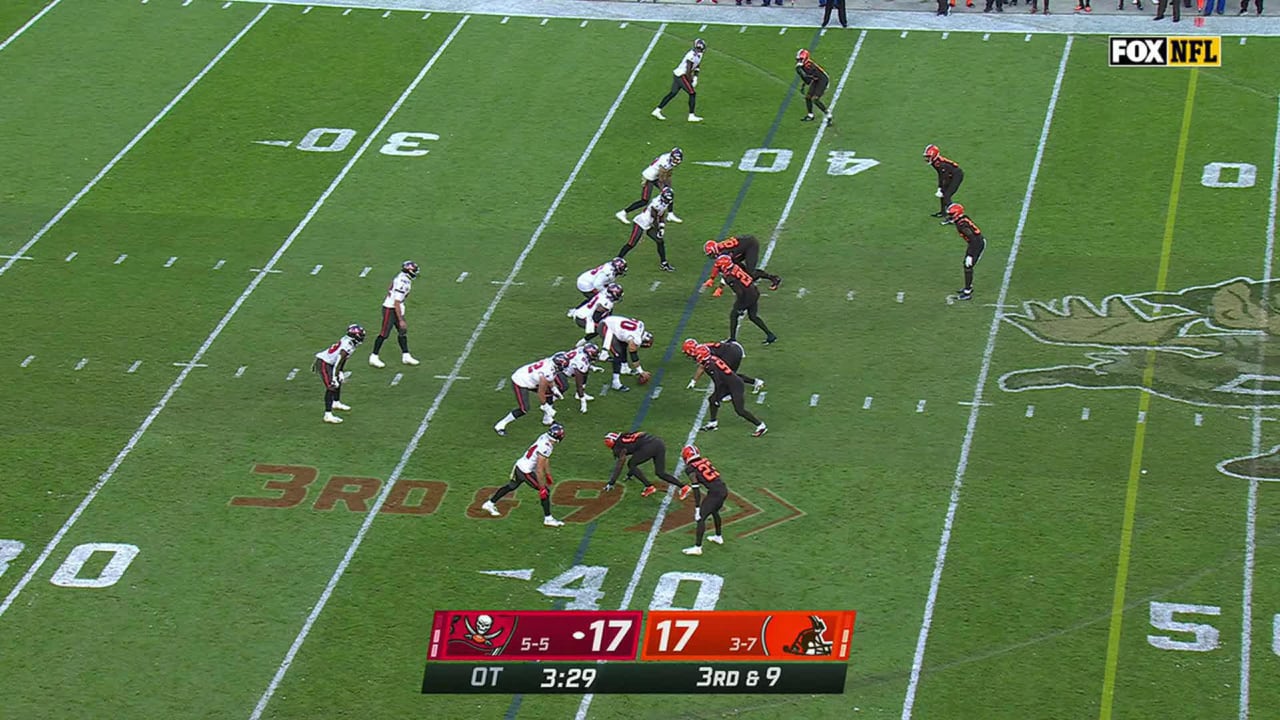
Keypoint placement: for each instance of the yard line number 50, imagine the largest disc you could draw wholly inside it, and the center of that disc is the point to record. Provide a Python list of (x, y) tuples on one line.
[(71, 573), (1196, 636)]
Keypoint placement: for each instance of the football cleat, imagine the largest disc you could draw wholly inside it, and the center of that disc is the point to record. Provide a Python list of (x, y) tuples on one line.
[(340, 405), (717, 539), (667, 267), (556, 432), (622, 217), (964, 294), (930, 152), (648, 490), (760, 430), (674, 218), (614, 291), (770, 340), (677, 156), (490, 508), (709, 427), (657, 112), (610, 439), (694, 118), (802, 57), (758, 386), (619, 266), (668, 195), (699, 45), (502, 431), (620, 388), (376, 361), (355, 332), (552, 522), (331, 418), (408, 359), (807, 118), (685, 490), (410, 268), (695, 550), (689, 453)]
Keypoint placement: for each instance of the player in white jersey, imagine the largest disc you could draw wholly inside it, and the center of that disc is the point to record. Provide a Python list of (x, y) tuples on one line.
[(655, 177), (623, 338), (330, 363), (580, 363), (542, 377), (599, 276), (393, 314), (589, 314), (686, 79), (533, 468), (652, 221)]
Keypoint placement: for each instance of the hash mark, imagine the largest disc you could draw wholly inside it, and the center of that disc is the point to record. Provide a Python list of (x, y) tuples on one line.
[(134, 367), (346, 12), (386, 14), (120, 259), (186, 3), (82, 363), (1027, 38), (240, 370), (1084, 413), (920, 406), (655, 285), (218, 265), (307, 10), (1031, 411), (656, 392), (365, 271), (226, 5), (1243, 39), (945, 35), (557, 281), (504, 20), (544, 21), (316, 270), (396, 380), (622, 26), (501, 384), (813, 400), (848, 295), (72, 256), (782, 31), (822, 32), (742, 29), (463, 276), (866, 403), (1142, 416), (1199, 418), (702, 29), (171, 261), (292, 374), (986, 37), (904, 34), (27, 362), (604, 390), (901, 295), (760, 397), (424, 17), (584, 24), (802, 292)]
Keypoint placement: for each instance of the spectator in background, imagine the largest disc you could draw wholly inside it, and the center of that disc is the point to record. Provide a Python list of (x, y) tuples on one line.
[(1164, 4), (1244, 6), (1084, 6), (1137, 3), (839, 5), (1034, 4), (999, 5), (1208, 7)]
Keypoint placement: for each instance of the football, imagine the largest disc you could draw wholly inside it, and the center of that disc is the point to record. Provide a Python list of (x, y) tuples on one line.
[(644, 377)]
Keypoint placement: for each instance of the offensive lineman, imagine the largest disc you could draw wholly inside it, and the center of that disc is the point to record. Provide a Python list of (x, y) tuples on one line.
[(974, 245), (580, 363), (542, 377), (744, 250), (393, 312), (655, 177), (534, 468), (640, 447), (725, 383), (329, 363), (652, 221), (686, 79), (704, 473), (815, 80), (623, 338), (949, 178), (746, 298)]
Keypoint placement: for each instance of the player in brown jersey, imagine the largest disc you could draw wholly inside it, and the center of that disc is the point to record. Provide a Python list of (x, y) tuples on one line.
[(949, 178), (744, 250), (725, 384), (746, 298), (815, 80), (730, 351), (634, 449), (974, 245), (704, 474)]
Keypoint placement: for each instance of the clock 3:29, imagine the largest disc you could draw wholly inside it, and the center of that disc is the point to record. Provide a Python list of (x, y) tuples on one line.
[(570, 677)]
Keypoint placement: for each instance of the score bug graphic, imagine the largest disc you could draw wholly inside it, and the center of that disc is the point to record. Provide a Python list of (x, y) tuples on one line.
[(534, 635), (729, 635)]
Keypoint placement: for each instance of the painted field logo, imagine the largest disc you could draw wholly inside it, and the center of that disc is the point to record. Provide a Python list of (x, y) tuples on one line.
[(1160, 51)]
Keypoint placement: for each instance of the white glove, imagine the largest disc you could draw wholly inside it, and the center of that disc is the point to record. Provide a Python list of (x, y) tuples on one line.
[(938, 193), (595, 368), (343, 377), (697, 514), (695, 81), (692, 384), (555, 392)]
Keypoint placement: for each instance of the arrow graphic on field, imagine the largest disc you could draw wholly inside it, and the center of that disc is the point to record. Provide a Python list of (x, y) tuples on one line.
[(525, 574), (274, 143), (715, 163), (737, 509)]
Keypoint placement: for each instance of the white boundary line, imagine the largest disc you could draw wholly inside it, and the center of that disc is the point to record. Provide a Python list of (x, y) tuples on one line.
[(584, 706), (136, 139), (217, 330), (444, 390), (1251, 507), (28, 24), (962, 465)]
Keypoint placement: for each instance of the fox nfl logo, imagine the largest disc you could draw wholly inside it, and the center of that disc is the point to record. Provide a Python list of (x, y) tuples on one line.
[(1149, 51)]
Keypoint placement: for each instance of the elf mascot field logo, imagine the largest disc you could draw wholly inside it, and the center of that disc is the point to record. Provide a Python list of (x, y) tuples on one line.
[(1164, 51)]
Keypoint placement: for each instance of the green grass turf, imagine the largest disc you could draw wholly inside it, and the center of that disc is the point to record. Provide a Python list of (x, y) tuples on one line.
[(206, 612)]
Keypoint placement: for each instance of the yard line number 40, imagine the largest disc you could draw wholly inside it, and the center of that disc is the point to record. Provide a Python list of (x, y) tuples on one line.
[(71, 573)]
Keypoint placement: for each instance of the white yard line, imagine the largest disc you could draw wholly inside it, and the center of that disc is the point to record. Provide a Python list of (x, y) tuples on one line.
[(1251, 506), (409, 449), (222, 324), (584, 706), (945, 540), (136, 138), (28, 24)]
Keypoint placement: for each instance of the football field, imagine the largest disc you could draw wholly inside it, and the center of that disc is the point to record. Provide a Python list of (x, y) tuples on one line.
[(1056, 500)]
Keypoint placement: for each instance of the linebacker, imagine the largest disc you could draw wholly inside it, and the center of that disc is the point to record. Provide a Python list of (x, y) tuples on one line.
[(393, 313), (725, 383), (746, 298), (330, 363), (534, 469), (634, 449), (815, 80), (744, 250), (704, 474), (974, 245)]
